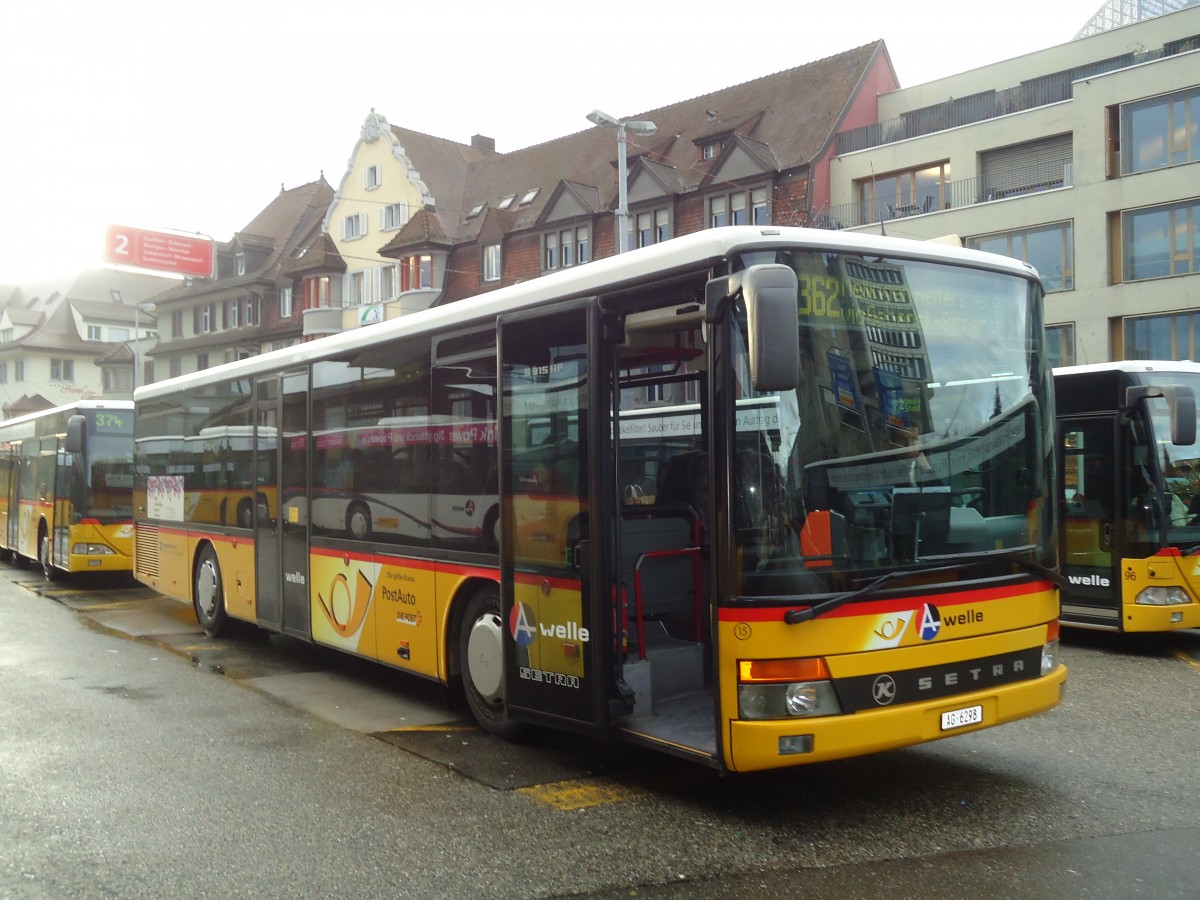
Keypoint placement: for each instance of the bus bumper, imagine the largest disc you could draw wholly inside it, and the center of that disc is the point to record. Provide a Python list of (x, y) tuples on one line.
[(757, 745)]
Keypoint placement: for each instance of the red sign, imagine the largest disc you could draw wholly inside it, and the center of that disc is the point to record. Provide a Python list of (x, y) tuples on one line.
[(162, 251)]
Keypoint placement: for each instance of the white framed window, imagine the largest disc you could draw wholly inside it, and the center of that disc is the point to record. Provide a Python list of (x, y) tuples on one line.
[(566, 247), (393, 216), (372, 177), (506, 202), (62, 370), (285, 303), (528, 196), (653, 226), (739, 208), (389, 282), (4, 373), (240, 263), (356, 289), (710, 150), (354, 226), (416, 273), (94, 333), (19, 370), (232, 308), (550, 251), (583, 244), (491, 262)]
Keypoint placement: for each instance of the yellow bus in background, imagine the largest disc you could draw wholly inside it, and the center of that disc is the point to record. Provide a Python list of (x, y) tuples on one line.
[(66, 488), (755, 497)]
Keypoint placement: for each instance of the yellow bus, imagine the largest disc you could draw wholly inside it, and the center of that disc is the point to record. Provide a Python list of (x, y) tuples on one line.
[(761, 497), (66, 488), (1130, 495)]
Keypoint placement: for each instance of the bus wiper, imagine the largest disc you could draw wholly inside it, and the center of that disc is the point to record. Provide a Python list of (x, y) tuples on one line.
[(796, 616)]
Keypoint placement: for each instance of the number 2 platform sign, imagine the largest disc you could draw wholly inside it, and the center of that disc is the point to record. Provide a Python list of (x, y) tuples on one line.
[(162, 251)]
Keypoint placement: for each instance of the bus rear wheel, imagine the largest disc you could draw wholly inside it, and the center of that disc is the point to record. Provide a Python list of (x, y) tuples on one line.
[(208, 595), (481, 663)]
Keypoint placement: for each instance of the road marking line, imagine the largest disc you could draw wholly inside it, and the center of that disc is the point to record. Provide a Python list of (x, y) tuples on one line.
[(568, 796), (1192, 663)]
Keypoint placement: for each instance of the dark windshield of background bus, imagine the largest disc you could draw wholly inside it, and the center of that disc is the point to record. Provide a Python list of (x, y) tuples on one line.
[(919, 430), (109, 476)]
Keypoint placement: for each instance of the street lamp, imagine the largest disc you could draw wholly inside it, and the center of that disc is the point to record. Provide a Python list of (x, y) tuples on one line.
[(596, 117)]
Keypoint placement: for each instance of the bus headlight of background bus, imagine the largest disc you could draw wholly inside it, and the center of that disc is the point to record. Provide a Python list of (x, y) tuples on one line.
[(92, 550), (1163, 596), (785, 689), (1050, 648)]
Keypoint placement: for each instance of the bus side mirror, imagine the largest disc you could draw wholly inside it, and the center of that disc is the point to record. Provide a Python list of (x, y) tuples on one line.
[(770, 292), (76, 434), (1181, 404)]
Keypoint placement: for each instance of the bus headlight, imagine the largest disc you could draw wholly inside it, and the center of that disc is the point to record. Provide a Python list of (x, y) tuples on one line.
[(763, 692), (92, 550), (1163, 596)]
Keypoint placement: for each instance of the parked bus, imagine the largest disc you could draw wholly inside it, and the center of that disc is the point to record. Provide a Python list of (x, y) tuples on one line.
[(763, 497), (66, 488), (1130, 495)]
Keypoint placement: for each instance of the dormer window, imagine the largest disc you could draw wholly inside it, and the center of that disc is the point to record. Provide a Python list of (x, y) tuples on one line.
[(476, 210), (528, 196), (710, 150), (240, 263), (506, 202)]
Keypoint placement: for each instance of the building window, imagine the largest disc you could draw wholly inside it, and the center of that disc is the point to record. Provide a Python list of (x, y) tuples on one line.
[(491, 262), (371, 178), (94, 333), (416, 273), (230, 312), (904, 193), (739, 208), (506, 202), (356, 289), (19, 370), (62, 370), (176, 367), (583, 244), (1170, 336), (653, 226), (1060, 345), (528, 196), (1048, 248), (710, 150), (177, 323), (1161, 241), (565, 248), (240, 263), (118, 379), (1028, 168), (389, 282), (1160, 132), (118, 335), (285, 303), (317, 293), (393, 216), (550, 251), (201, 362), (354, 226), (3, 373), (760, 207)]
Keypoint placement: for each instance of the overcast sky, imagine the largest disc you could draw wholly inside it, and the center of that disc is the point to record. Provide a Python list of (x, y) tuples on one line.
[(189, 116)]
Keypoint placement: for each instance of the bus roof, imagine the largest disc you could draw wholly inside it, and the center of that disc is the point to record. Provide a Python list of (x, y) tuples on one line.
[(676, 256)]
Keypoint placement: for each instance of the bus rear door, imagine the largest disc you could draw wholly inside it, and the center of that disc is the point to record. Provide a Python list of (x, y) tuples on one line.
[(1090, 520)]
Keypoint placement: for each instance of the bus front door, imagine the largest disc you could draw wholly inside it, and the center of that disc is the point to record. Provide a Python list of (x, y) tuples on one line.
[(1090, 521), (555, 553)]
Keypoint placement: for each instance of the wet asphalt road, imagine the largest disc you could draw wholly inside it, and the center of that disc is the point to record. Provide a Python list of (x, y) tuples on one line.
[(140, 759)]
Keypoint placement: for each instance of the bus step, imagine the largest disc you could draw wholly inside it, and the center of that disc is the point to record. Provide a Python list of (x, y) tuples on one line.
[(670, 669)]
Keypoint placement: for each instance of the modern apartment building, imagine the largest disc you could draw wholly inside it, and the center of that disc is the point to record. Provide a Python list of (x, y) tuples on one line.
[(1083, 159)]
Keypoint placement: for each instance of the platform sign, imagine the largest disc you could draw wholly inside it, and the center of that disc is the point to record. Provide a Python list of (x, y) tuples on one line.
[(162, 251)]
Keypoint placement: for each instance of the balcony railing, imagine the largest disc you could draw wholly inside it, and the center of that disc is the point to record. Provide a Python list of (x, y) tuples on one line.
[(987, 105), (954, 195)]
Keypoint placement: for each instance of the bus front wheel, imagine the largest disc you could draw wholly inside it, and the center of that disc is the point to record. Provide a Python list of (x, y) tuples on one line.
[(481, 663), (208, 598), (44, 551)]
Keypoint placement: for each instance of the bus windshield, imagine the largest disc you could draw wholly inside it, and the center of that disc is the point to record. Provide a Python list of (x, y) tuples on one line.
[(918, 432), (109, 495), (1179, 494)]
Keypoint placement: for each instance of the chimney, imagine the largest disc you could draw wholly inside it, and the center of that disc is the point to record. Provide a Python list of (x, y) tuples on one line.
[(483, 142)]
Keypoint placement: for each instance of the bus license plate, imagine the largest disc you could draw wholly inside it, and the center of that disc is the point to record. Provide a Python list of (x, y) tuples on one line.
[(959, 718)]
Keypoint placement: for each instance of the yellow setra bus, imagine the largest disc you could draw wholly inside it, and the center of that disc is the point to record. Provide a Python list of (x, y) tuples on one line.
[(66, 488), (756, 497)]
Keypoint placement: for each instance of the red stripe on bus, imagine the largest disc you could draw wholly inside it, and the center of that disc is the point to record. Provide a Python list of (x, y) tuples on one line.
[(881, 607)]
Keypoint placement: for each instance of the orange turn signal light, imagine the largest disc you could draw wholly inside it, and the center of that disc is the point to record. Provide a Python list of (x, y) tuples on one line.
[(764, 670)]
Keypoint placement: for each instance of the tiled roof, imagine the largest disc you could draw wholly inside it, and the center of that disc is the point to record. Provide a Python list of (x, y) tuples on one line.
[(784, 120)]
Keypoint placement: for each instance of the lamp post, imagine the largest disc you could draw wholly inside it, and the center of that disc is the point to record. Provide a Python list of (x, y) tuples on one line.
[(596, 117)]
